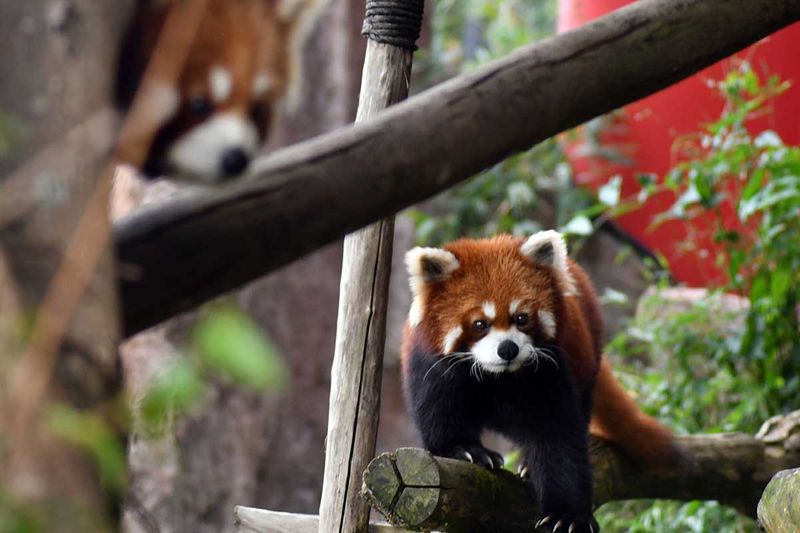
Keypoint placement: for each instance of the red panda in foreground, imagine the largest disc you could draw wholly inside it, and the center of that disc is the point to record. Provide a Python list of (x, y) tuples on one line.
[(244, 60), (505, 334)]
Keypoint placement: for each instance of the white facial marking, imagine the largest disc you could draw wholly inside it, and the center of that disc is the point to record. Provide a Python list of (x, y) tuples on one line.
[(261, 84), (220, 82), (199, 152), (489, 310), (548, 323), (485, 350), (450, 339), (513, 306)]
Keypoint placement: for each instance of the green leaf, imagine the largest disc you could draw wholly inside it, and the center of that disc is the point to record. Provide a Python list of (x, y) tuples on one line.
[(580, 225), (780, 284), (612, 296), (610, 192), (93, 434), (231, 343), (177, 388)]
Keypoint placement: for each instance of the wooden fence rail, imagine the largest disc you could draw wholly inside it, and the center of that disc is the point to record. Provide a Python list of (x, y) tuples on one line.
[(189, 251)]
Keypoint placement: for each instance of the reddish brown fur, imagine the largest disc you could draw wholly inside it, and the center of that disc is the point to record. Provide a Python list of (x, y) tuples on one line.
[(495, 270), (247, 38)]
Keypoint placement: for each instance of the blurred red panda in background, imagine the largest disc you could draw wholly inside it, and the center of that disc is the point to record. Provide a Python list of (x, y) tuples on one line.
[(244, 61)]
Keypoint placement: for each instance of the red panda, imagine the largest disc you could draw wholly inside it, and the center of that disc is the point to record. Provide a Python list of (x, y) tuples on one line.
[(244, 60), (505, 334)]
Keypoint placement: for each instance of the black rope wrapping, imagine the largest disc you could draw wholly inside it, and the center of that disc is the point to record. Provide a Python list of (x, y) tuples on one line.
[(395, 22)]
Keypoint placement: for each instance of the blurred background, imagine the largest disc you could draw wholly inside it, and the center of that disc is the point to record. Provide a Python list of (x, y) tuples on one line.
[(683, 208)]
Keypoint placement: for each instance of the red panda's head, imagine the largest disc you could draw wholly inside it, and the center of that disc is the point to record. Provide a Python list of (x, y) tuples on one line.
[(241, 65), (498, 301)]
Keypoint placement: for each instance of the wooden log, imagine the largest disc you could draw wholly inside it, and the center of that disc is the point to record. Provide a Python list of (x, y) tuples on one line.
[(779, 508), (250, 520), (413, 489), (361, 327), (189, 251)]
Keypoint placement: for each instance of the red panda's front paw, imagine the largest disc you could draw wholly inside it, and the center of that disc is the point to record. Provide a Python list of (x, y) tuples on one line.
[(553, 523), (477, 454)]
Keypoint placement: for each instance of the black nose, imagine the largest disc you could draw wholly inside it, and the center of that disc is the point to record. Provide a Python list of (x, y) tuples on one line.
[(234, 162), (508, 350)]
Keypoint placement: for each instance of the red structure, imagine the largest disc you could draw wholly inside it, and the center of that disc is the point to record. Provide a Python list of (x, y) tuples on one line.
[(650, 128)]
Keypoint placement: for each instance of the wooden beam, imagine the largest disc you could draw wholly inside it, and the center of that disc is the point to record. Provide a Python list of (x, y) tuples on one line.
[(361, 328), (413, 489), (189, 251), (250, 520)]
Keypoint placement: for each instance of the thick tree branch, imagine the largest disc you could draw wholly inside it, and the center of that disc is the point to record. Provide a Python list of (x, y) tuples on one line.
[(415, 490), (187, 252)]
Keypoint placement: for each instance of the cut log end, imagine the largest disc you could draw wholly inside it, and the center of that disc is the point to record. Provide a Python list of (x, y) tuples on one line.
[(404, 486), (779, 508)]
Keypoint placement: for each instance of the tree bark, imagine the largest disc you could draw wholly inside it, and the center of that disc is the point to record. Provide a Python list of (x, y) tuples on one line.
[(779, 508), (318, 191), (57, 70), (413, 489)]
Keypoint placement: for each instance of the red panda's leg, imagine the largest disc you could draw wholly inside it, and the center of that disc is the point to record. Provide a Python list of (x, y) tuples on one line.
[(446, 411), (556, 457)]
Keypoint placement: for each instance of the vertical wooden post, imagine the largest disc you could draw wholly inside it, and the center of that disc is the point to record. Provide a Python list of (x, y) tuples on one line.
[(361, 327)]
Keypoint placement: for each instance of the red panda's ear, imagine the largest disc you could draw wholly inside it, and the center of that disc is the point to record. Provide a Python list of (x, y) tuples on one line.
[(428, 265), (291, 11), (547, 248)]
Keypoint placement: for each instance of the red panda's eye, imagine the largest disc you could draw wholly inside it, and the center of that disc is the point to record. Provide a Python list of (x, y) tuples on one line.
[(521, 319), (480, 326), (200, 106)]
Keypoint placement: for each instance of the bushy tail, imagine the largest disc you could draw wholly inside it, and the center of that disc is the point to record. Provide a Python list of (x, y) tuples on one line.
[(617, 418)]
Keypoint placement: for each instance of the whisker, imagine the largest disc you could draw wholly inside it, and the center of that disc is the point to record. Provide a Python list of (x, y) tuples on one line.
[(545, 354), (455, 364), (434, 365)]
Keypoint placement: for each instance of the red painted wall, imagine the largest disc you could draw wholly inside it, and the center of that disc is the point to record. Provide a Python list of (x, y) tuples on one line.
[(652, 126)]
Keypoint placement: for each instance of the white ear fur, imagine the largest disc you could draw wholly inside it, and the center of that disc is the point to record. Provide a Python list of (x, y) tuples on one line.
[(547, 248), (300, 15), (291, 10), (427, 265)]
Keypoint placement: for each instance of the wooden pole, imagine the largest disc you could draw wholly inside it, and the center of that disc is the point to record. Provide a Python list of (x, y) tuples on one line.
[(361, 328), (413, 489), (313, 193)]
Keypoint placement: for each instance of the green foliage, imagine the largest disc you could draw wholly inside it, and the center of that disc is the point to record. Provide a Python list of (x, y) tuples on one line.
[(671, 517), (15, 518), (226, 344), (759, 177), (94, 434), (176, 389), (12, 131), (505, 198), (230, 343), (722, 362)]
